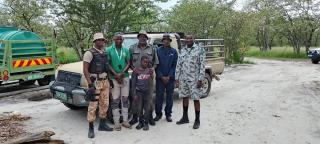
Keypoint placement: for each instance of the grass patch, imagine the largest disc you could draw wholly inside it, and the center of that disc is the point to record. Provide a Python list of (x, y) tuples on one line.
[(67, 55), (276, 53)]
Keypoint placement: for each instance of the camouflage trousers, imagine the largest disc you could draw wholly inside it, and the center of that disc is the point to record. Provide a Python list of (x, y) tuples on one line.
[(102, 92)]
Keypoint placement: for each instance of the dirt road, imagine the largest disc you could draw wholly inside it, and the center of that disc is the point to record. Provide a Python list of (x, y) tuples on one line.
[(269, 102)]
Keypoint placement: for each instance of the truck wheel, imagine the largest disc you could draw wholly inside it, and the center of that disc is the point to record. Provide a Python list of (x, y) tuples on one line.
[(206, 86), (72, 107), (44, 81), (26, 83), (315, 61)]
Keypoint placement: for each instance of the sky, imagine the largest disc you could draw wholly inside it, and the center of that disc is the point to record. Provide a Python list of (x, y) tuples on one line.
[(168, 5)]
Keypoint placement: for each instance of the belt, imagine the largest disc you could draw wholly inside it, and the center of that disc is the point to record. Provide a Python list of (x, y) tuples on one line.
[(99, 76)]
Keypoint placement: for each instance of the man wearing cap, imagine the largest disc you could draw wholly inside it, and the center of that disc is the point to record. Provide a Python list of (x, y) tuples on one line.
[(190, 72), (119, 63), (142, 48), (95, 69), (165, 76)]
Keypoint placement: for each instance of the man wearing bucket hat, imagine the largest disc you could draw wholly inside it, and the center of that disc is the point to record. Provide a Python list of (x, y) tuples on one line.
[(165, 77), (142, 48), (95, 69)]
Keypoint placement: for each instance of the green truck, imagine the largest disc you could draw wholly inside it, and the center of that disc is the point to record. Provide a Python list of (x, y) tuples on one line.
[(26, 57)]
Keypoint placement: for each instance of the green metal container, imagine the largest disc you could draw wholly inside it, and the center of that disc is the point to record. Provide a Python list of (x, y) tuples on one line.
[(25, 56), (21, 49)]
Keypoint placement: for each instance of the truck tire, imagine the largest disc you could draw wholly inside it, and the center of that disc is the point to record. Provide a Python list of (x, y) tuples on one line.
[(72, 107), (206, 86), (44, 81), (26, 83), (314, 61)]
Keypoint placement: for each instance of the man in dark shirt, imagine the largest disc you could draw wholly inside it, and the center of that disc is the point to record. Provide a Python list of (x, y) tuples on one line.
[(165, 72), (141, 84)]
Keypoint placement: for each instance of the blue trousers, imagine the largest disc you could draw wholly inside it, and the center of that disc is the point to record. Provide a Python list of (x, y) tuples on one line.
[(160, 90)]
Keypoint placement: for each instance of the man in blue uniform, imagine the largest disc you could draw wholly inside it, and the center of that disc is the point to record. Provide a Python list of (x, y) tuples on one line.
[(165, 74)]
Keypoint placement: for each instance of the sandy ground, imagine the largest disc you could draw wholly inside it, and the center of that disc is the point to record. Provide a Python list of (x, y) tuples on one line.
[(269, 102)]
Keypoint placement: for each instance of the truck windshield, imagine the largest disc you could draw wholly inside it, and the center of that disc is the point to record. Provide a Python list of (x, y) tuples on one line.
[(129, 41)]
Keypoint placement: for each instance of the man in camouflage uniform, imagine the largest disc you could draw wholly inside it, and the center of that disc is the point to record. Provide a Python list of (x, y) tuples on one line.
[(136, 52), (95, 69), (190, 72)]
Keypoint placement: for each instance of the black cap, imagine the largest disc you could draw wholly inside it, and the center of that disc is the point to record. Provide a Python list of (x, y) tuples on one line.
[(166, 36)]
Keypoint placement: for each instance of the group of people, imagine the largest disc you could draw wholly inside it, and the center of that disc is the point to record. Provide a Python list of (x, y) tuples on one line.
[(102, 64)]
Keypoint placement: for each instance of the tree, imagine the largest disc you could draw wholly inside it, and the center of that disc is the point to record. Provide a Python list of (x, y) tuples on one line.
[(107, 16), (25, 14)]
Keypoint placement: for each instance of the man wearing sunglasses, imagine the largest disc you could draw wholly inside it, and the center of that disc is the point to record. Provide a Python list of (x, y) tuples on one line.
[(119, 63), (95, 69)]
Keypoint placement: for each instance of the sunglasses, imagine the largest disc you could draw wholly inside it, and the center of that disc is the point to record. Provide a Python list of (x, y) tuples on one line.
[(100, 40)]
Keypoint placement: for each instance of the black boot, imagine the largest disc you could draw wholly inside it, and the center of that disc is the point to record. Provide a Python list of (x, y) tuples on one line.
[(151, 120), (157, 118), (134, 120), (184, 118), (103, 126), (141, 124), (196, 124), (146, 126), (91, 130)]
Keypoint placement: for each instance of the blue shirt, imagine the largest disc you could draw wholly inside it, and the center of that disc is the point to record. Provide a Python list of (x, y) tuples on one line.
[(168, 58)]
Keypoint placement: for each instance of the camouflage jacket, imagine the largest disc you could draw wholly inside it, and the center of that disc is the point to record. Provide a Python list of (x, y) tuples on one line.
[(191, 64)]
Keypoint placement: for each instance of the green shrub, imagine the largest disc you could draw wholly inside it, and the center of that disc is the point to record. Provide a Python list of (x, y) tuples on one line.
[(67, 55), (276, 53)]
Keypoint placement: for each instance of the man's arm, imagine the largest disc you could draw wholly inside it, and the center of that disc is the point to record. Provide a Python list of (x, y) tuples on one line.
[(86, 72), (173, 65), (127, 59), (131, 57), (155, 58), (201, 63), (87, 58), (178, 68), (133, 82), (158, 71)]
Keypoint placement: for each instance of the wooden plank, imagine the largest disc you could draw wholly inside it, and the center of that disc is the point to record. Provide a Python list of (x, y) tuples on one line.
[(39, 137)]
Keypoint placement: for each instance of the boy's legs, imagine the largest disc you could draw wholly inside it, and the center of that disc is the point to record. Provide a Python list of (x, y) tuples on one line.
[(140, 109), (147, 101)]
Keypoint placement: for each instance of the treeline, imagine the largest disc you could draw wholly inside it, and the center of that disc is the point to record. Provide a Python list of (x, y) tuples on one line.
[(262, 23)]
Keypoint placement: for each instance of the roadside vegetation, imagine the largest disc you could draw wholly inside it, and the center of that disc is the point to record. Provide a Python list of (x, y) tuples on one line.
[(66, 55), (275, 53)]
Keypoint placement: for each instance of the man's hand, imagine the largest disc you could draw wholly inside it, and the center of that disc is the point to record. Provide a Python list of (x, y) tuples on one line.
[(90, 95), (199, 84), (177, 83), (151, 71), (135, 70), (118, 78), (165, 80)]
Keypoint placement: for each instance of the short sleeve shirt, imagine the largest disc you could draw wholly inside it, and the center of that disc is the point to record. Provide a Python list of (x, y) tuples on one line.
[(136, 54), (87, 57)]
